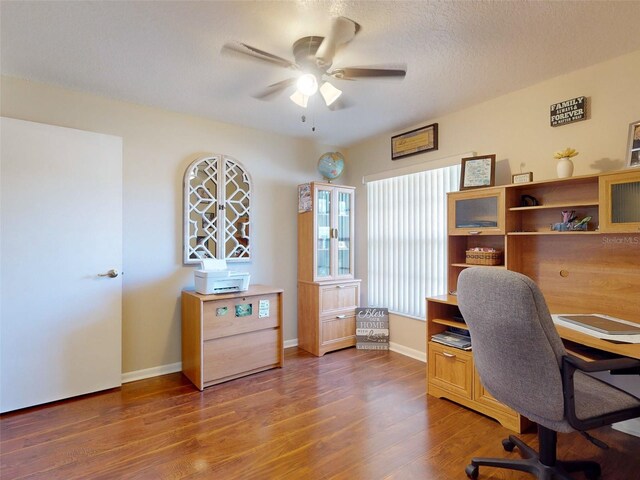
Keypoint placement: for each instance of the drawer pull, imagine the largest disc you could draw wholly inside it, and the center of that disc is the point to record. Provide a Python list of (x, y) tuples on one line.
[(449, 355), (341, 316), (340, 286), (475, 232)]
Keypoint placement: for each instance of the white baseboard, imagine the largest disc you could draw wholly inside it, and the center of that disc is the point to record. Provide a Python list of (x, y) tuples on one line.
[(408, 352), (177, 367), (394, 347), (151, 372)]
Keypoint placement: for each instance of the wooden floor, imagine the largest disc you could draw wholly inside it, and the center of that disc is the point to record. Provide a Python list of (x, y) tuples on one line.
[(349, 415)]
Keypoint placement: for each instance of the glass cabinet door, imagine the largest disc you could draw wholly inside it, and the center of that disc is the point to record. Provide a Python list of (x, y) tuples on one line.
[(476, 212), (323, 233), (343, 223), (620, 202)]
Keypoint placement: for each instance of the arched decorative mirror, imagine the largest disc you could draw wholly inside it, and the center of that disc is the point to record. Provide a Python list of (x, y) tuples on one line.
[(217, 200)]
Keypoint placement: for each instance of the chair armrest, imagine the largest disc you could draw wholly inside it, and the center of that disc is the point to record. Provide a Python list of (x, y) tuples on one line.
[(569, 366)]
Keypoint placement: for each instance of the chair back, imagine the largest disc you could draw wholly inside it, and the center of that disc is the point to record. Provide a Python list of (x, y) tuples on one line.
[(516, 348)]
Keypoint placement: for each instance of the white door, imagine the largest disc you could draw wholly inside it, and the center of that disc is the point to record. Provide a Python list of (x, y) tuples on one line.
[(61, 226)]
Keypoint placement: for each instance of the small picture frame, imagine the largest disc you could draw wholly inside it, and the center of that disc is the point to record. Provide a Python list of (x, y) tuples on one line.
[(525, 177), (420, 140), (478, 172), (633, 156)]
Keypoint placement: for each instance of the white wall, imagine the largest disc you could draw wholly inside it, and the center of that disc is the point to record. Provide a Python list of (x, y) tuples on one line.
[(516, 128), (158, 146)]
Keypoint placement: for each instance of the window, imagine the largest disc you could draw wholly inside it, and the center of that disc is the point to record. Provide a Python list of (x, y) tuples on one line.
[(407, 239)]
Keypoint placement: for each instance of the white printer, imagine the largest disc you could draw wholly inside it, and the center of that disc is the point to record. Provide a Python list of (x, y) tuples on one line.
[(214, 277)]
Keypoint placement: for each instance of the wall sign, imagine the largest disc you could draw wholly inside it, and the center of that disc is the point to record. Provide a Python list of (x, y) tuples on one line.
[(372, 328), (525, 177), (568, 111)]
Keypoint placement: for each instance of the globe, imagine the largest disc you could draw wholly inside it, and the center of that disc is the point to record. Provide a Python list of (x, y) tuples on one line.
[(331, 165)]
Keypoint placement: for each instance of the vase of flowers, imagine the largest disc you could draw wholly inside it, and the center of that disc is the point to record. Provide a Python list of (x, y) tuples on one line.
[(565, 165)]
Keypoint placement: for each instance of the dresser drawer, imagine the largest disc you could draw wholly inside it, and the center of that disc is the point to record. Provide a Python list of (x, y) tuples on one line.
[(222, 318), (338, 327), (451, 369), (229, 356), (340, 296)]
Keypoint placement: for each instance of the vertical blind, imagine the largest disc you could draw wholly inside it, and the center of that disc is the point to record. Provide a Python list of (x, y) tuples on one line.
[(407, 239)]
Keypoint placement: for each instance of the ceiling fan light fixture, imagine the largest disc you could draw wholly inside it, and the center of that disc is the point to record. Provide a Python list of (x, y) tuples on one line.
[(299, 99), (329, 93), (307, 84)]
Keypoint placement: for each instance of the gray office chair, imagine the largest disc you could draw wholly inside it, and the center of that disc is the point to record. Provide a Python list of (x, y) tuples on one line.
[(522, 363)]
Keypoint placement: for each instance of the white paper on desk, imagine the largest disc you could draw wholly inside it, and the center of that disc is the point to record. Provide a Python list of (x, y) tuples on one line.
[(594, 333)]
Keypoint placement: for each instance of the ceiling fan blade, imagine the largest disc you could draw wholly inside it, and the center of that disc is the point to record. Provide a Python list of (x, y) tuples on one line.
[(350, 73), (274, 89), (247, 51), (342, 31)]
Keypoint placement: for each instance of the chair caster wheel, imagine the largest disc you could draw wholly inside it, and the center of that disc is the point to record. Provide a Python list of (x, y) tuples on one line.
[(508, 445), (472, 472)]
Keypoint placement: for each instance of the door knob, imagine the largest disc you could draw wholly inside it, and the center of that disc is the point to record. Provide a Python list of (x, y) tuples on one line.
[(113, 273)]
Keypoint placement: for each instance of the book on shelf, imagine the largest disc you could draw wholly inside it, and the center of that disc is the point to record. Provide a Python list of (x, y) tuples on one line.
[(450, 339)]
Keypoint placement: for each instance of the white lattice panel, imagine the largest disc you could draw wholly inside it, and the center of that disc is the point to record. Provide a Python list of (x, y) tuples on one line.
[(217, 207)]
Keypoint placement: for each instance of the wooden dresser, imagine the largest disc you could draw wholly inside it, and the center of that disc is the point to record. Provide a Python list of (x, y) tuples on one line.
[(231, 335), (327, 315)]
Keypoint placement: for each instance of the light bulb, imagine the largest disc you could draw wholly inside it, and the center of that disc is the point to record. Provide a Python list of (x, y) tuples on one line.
[(307, 84)]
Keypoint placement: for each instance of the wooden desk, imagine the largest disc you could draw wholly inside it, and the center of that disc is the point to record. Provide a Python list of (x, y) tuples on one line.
[(451, 373), (623, 349)]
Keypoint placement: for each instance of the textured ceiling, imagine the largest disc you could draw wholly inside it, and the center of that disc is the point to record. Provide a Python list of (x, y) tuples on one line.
[(167, 54)]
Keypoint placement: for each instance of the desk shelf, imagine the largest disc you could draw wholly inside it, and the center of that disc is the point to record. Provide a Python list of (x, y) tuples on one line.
[(450, 323), (555, 206), (551, 232)]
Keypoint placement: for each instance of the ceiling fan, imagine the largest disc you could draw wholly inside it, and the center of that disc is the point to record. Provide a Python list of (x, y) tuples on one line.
[(313, 60)]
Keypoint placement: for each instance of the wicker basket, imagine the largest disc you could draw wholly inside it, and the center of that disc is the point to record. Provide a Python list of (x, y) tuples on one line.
[(475, 257)]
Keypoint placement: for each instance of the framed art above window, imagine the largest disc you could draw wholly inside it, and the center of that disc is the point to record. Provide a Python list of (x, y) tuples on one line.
[(420, 140)]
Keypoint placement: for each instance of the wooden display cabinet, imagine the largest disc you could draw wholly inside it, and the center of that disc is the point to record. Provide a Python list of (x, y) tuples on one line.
[(328, 294), (325, 234), (231, 335)]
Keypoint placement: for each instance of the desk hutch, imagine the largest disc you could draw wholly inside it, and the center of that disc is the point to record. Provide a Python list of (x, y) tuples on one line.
[(592, 271)]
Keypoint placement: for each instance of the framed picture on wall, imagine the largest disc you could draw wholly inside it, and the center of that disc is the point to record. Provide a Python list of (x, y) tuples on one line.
[(416, 141), (478, 172), (633, 156)]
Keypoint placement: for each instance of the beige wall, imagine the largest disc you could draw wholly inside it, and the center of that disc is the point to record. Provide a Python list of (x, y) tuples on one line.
[(516, 128), (158, 146)]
